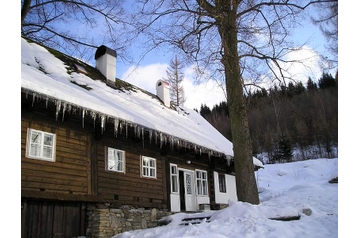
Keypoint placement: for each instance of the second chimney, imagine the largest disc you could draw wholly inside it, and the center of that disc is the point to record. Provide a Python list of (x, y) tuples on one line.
[(106, 62), (163, 92)]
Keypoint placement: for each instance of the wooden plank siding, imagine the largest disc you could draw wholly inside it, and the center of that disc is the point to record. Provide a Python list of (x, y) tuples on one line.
[(129, 187), (69, 172)]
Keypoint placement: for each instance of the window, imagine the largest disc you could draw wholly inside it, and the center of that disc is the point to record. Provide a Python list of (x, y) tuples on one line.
[(174, 178), (202, 182), (222, 183), (40, 145), (115, 160), (149, 167)]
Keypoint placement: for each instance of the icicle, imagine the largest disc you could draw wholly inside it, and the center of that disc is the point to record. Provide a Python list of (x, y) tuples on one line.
[(83, 117), (199, 151), (103, 122), (116, 123), (33, 98), (161, 139), (139, 131), (150, 136), (93, 115), (165, 139), (171, 142), (120, 127), (156, 137), (58, 108), (46, 102), (64, 110), (143, 136), (228, 159), (69, 107), (135, 130), (126, 130)]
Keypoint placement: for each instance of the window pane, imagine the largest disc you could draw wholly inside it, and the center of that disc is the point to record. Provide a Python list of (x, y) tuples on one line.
[(152, 164), (174, 183), (120, 166), (188, 183), (145, 171), (119, 155), (47, 152), (198, 185), (35, 137), (111, 163), (204, 188), (35, 150), (48, 139), (145, 162)]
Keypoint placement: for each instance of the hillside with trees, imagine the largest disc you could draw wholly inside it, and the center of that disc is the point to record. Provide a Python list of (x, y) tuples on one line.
[(281, 119)]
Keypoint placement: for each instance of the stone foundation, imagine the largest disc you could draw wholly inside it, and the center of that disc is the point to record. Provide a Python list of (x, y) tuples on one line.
[(106, 221)]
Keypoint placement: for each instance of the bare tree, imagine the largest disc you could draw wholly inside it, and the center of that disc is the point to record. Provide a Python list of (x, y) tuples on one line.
[(175, 78), (76, 27), (236, 41), (327, 20)]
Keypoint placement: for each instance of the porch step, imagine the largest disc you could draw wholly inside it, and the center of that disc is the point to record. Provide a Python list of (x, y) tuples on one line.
[(194, 220)]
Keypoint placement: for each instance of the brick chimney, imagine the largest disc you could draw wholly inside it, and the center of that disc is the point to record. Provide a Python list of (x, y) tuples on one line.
[(163, 92), (106, 62)]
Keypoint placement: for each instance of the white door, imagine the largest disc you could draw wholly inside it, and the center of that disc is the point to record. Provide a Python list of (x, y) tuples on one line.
[(189, 192)]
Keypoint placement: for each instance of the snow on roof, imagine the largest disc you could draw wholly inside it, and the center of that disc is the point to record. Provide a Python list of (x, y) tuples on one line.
[(47, 76), (257, 162)]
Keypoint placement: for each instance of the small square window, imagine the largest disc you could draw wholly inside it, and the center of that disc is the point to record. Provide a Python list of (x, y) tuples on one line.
[(149, 167), (115, 160), (40, 145)]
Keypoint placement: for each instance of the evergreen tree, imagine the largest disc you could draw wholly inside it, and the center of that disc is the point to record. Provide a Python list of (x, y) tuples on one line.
[(204, 110), (283, 152), (326, 81), (311, 86), (175, 78)]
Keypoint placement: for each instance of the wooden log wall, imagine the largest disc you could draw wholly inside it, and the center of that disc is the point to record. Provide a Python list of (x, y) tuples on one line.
[(70, 173), (130, 188)]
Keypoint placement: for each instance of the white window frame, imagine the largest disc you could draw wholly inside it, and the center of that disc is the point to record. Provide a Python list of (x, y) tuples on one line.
[(174, 179), (117, 160), (148, 167), (202, 190), (40, 145)]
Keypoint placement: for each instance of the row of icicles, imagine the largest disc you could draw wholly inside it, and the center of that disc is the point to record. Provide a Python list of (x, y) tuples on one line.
[(120, 125)]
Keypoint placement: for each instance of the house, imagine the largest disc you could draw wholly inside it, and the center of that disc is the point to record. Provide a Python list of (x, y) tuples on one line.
[(100, 156)]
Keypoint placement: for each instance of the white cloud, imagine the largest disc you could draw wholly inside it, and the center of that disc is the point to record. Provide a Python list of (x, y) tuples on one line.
[(304, 63), (146, 77)]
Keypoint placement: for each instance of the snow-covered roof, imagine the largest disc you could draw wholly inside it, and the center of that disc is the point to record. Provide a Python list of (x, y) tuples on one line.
[(46, 76)]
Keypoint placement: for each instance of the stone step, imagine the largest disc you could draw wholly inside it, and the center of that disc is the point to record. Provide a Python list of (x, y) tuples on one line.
[(194, 220)]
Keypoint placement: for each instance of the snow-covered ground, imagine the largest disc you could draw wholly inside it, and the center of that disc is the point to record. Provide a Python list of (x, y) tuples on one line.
[(285, 190)]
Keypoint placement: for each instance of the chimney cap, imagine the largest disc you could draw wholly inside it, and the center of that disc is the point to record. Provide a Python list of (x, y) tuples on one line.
[(103, 50)]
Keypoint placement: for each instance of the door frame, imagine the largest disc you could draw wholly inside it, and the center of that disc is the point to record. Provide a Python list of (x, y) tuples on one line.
[(184, 194)]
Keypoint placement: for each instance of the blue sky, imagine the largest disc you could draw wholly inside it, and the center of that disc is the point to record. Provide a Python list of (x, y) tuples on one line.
[(154, 64)]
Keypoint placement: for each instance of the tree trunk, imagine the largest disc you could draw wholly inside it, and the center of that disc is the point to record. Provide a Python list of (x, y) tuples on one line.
[(25, 9), (244, 169)]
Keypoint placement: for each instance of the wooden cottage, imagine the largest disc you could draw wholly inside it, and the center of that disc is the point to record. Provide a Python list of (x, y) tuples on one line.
[(100, 156)]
